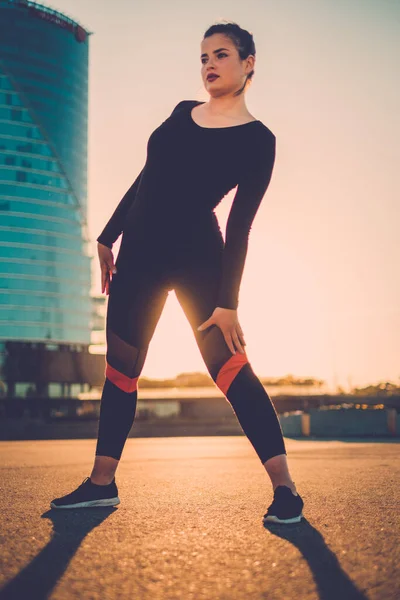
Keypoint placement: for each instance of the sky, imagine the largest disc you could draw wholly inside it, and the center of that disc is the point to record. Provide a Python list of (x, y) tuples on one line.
[(320, 293)]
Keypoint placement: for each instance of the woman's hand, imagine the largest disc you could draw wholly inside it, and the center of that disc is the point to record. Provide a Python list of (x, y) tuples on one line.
[(227, 321), (106, 259)]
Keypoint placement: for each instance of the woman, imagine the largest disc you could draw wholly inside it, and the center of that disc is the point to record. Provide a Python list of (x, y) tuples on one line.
[(171, 240)]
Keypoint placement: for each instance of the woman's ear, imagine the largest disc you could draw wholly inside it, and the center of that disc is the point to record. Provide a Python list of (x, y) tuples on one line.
[(250, 63)]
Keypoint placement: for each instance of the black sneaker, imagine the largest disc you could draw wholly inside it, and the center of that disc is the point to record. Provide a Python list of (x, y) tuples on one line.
[(285, 508), (89, 494)]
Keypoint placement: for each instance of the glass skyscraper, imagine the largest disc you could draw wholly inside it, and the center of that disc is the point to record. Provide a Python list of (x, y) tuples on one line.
[(44, 243)]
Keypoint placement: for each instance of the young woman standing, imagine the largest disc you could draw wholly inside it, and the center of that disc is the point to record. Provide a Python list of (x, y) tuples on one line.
[(171, 240)]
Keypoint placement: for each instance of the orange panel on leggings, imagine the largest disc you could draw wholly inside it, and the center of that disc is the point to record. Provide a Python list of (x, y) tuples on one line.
[(125, 383), (229, 370)]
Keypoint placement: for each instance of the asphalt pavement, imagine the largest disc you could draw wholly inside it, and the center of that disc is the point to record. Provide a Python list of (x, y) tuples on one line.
[(189, 525)]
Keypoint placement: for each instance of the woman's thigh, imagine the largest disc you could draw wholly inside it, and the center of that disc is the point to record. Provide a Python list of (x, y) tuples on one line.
[(197, 291), (137, 295)]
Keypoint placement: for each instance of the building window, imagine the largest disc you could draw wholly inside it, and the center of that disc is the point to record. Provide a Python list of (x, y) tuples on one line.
[(20, 176), (55, 390), (16, 114), (22, 390), (3, 389)]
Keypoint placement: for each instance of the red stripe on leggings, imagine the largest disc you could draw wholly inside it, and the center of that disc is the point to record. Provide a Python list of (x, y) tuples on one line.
[(125, 383), (229, 370)]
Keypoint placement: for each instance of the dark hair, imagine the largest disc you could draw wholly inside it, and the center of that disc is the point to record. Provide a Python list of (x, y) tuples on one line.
[(242, 39)]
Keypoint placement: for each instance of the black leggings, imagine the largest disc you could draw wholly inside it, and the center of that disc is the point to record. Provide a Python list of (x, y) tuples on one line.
[(137, 295)]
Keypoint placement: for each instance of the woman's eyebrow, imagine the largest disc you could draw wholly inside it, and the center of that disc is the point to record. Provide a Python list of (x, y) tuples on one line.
[(215, 51)]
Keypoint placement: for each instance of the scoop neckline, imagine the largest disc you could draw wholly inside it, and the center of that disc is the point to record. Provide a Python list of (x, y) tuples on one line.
[(218, 128)]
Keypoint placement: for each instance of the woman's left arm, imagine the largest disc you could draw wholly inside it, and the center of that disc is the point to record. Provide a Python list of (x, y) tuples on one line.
[(253, 183)]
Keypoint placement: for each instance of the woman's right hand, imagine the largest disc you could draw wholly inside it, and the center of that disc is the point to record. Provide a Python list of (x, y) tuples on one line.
[(107, 266)]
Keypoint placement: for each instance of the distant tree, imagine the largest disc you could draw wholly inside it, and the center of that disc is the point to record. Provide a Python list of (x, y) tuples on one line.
[(198, 379), (384, 388), (180, 381), (290, 379)]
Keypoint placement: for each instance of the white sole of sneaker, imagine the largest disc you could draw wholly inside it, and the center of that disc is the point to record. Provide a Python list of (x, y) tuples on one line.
[(274, 519), (90, 503)]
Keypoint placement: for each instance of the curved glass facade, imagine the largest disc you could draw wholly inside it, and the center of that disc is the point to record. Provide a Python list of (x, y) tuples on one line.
[(44, 245)]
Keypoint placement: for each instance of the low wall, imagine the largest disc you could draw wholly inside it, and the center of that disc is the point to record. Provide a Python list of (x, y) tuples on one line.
[(317, 423), (342, 422)]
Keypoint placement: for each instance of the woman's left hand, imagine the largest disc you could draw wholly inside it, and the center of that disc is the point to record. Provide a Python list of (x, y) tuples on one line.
[(227, 321)]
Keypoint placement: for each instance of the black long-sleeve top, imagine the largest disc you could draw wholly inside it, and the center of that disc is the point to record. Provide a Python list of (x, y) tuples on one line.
[(188, 170)]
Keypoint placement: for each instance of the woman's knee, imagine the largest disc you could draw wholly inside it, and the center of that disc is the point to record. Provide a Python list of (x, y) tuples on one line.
[(222, 365)]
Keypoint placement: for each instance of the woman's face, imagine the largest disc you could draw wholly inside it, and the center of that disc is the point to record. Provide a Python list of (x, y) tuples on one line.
[(219, 56)]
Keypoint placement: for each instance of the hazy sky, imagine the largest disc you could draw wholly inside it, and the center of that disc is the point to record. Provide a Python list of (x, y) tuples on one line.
[(320, 294)]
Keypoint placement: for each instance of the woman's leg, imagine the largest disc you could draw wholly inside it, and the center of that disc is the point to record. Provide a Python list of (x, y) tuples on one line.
[(136, 299), (196, 289)]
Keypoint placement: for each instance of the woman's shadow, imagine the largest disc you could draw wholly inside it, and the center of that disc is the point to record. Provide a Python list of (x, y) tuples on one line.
[(332, 582), (37, 580)]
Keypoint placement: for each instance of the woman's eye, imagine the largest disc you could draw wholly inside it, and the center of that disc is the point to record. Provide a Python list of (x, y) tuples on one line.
[(219, 55)]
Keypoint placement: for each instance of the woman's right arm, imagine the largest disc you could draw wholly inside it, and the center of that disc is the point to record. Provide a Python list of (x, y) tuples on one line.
[(115, 225)]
